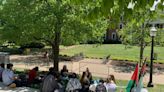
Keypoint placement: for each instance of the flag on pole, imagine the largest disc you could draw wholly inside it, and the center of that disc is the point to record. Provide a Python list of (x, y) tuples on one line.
[(134, 79), (141, 75)]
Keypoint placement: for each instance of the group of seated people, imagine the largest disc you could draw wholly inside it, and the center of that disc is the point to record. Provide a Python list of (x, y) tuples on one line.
[(9, 78), (53, 81), (70, 82)]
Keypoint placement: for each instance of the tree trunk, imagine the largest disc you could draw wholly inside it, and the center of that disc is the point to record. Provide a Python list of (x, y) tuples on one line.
[(141, 46), (141, 52), (55, 50)]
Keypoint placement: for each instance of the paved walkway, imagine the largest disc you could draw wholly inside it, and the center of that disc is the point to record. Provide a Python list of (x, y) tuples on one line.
[(96, 66)]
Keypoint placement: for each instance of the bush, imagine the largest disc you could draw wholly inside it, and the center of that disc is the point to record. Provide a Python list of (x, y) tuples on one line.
[(32, 45), (11, 50)]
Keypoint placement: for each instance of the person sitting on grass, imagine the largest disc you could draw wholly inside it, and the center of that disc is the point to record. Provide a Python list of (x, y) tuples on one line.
[(2, 67), (89, 75), (110, 84), (73, 84), (8, 77), (85, 82), (100, 87), (50, 82), (33, 76), (64, 71)]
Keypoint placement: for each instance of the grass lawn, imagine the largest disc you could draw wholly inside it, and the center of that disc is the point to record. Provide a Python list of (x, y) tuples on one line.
[(156, 88), (123, 83), (120, 83), (117, 51)]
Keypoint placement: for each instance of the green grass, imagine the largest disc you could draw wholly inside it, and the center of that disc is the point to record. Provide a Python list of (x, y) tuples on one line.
[(122, 86), (117, 51), (156, 88), (120, 83)]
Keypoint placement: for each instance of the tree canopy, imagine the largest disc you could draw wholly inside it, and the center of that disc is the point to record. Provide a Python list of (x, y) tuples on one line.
[(39, 19), (52, 21), (63, 21)]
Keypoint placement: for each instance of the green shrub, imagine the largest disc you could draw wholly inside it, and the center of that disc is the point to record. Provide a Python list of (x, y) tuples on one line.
[(11, 50), (32, 45)]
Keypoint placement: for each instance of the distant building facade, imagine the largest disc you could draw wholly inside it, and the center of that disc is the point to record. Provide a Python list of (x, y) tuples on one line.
[(112, 35)]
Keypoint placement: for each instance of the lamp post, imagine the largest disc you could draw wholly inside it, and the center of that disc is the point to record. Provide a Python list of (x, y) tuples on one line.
[(152, 34)]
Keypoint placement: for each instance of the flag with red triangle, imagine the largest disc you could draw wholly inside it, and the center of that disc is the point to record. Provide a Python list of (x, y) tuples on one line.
[(141, 75), (134, 79)]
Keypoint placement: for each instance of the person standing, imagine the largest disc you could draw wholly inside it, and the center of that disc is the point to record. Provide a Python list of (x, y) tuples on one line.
[(46, 58)]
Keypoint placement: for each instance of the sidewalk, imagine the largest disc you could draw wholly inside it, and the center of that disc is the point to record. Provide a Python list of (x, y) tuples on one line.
[(97, 68)]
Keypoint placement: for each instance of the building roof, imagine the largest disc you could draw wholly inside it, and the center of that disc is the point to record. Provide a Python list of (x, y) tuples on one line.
[(158, 21)]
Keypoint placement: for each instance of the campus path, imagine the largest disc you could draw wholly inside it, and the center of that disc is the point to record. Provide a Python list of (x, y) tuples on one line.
[(96, 66)]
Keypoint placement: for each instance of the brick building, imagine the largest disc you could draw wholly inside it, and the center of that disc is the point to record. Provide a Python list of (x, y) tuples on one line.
[(112, 35)]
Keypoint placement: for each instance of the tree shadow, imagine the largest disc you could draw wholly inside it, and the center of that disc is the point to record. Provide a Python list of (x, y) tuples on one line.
[(128, 67), (123, 66)]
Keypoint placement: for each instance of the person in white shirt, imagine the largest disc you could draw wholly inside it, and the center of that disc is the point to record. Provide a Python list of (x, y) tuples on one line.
[(8, 77), (2, 66), (110, 84)]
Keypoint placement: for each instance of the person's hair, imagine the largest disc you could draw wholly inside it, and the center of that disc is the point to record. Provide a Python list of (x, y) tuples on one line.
[(110, 79), (73, 75), (101, 81), (64, 67), (113, 78), (87, 69), (36, 68), (51, 70), (9, 66), (82, 77), (2, 65)]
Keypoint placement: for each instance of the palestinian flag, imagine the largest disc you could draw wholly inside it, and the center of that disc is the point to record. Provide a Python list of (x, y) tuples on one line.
[(142, 73), (134, 79)]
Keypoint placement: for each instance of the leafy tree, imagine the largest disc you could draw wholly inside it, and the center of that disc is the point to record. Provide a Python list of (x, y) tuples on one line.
[(135, 18), (52, 21), (136, 31)]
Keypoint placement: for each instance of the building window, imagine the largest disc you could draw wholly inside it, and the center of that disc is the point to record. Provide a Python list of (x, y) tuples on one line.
[(113, 36)]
